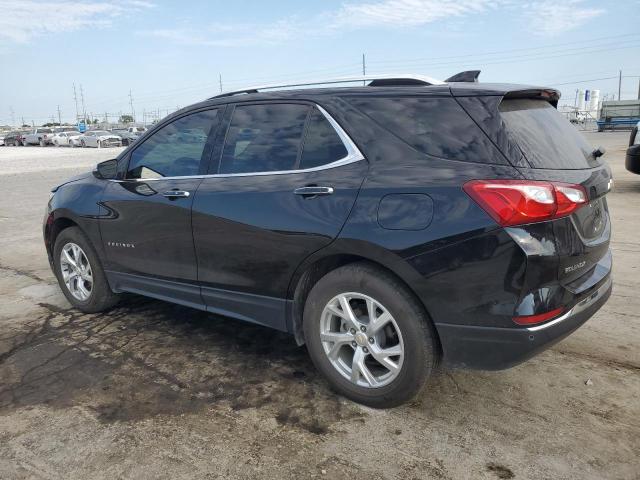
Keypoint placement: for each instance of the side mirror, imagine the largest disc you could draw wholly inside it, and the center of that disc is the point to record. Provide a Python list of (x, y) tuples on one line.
[(634, 136), (106, 170)]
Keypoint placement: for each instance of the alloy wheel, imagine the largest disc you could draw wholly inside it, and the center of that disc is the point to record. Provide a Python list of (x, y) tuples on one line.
[(362, 340), (76, 271)]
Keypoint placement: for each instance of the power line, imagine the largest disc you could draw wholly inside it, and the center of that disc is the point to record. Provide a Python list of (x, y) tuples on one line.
[(498, 52)]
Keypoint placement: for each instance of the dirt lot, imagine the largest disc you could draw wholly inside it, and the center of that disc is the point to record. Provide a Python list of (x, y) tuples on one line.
[(152, 390)]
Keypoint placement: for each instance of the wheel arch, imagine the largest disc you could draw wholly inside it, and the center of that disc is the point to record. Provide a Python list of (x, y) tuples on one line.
[(314, 269)]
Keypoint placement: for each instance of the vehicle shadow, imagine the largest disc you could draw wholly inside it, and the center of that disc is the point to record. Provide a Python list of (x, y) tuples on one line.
[(147, 358)]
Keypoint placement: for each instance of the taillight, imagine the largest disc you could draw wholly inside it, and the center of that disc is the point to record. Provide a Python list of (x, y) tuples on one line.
[(514, 202), (541, 317)]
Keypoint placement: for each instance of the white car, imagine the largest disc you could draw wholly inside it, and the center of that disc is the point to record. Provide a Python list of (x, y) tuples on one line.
[(99, 139), (61, 139)]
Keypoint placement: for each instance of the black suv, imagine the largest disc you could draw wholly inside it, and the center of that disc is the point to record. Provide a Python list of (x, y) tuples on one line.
[(388, 227)]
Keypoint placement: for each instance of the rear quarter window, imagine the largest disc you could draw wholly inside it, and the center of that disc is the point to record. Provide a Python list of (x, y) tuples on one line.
[(545, 137), (436, 126)]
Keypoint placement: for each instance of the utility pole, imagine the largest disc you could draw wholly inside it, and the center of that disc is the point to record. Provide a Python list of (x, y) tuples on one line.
[(75, 98), (575, 102), (84, 110), (13, 117), (638, 89), (364, 69), (133, 113), (220, 78), (59, 116), (23, 122), (619, 85)]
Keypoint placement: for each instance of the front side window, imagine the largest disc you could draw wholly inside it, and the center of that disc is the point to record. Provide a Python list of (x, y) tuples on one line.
[(263, 138), (322, 144), (175, 150)]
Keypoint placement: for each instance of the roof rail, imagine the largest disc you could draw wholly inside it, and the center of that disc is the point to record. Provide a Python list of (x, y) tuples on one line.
[(375, 80)]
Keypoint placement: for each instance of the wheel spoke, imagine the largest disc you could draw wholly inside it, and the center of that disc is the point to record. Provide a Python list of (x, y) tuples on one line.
[(82, 289), (383, 356), (338, 339), (359, 369), (376, 323), (68, 258), (348, 314)]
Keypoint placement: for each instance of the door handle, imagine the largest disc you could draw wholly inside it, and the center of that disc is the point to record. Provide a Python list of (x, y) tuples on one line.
[(313, 190), (176, 194)]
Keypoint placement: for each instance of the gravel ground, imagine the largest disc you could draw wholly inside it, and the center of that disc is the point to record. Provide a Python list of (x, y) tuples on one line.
[(21, 160), (153, 390)]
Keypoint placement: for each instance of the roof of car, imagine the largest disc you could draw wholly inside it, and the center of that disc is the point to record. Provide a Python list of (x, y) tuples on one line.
[(456, 89)]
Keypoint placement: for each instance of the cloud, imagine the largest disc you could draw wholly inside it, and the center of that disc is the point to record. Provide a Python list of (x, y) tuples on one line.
[(348, 17), (550, 18), (406, 13), (543, 17), (22, 20), (228, 35)]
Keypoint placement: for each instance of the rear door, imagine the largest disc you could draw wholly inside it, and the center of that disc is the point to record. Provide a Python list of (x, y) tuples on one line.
[(286, 180)]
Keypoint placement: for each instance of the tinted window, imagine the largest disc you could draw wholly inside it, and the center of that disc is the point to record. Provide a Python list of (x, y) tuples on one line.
[(322, 144), (435, 126), (175, 150), (263, 138), (545, 137)]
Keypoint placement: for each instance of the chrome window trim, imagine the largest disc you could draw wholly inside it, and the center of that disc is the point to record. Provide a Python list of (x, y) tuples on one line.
[(353, 155)]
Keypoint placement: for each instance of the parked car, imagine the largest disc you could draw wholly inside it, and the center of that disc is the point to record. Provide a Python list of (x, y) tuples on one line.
[(62, 138), (389, 227), (38, 136), (99, 139), (2, 142), (632, 159), (12, 138), (74, 140), (129, 135)]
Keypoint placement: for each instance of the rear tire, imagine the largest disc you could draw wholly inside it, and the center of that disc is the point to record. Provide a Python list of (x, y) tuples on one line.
[(405, 341), (100, 296), (83, 144), (42, 143)]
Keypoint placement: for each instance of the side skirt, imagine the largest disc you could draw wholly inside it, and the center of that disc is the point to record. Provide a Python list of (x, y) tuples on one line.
[(267, 311)]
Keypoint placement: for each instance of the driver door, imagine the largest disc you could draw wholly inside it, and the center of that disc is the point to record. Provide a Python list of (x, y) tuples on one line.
[(147, 235)]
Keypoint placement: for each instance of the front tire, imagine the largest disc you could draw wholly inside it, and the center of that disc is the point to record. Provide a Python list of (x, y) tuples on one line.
[(369, 336), (80, 274)]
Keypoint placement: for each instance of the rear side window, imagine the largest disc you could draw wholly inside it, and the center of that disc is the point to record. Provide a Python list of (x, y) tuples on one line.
[(264, 138), (435, 126), (322, 144), (175, 150), (546, 138)]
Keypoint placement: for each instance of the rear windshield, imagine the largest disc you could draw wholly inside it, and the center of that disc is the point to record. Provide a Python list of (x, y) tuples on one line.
[(546, 138)]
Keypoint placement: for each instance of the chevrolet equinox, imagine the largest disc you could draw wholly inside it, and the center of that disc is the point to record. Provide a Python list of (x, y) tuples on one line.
[(389, 227)]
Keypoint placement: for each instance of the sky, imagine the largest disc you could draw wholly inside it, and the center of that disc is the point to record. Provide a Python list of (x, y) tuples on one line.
[(169, 54)]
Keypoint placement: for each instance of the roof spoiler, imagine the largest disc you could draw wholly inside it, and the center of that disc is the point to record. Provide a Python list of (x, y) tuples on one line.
[(467, 76)]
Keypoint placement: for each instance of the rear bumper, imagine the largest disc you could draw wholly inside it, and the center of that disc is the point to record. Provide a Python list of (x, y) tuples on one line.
[(491, 348)]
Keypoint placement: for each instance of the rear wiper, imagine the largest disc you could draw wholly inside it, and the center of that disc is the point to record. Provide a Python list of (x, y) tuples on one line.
[(598, 152)]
